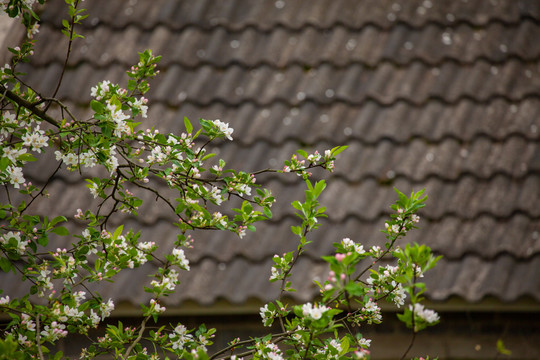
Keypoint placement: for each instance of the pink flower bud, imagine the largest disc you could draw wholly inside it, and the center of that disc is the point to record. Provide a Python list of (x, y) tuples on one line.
[(340, 257)]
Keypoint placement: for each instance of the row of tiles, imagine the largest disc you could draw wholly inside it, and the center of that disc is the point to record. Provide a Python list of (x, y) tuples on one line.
[(338, 46), (471, 278), (385, 161), (468, 199), (297, 13), (387, 84), (367, 125)]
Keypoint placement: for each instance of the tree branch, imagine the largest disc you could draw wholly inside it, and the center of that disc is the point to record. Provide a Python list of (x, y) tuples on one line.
[(30, 106), (139, 337)]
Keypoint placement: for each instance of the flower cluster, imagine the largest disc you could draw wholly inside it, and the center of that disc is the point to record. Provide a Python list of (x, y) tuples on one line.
[(14, 241), (371, 312), (224, 128), (14, 154), (331, 350), (384, 282), (315, 312), (179, 337), (269, 350), (426, 315), (180, 259), (167, 283), (268, 314), (350, 245), (281, 266), (36, 140), (156, 307), (106, 308)]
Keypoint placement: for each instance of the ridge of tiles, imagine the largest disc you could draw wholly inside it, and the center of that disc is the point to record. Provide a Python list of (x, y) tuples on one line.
[(443, 95), (336, 46), (295, 14)]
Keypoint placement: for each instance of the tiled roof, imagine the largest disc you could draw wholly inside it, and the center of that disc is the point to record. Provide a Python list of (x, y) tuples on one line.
[(442, 95)]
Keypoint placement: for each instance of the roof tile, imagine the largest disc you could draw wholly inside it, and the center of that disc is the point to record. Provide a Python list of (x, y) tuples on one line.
[(435, 95)]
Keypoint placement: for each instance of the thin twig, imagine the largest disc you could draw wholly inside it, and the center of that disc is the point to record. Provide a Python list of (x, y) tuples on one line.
[(72, 26), (139, 337), (38, 338), (280, 336), (43, 188), (413, 324)]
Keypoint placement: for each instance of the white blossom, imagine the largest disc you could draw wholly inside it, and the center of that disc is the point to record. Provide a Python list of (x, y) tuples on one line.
[(140, 104), (215, 194), (36, 139), (16, 177), (364, 342), (157, 308), (13, 154), (266, 314), (315, 312), (106, 309), (430, 316), (181, 258), (224, 128)]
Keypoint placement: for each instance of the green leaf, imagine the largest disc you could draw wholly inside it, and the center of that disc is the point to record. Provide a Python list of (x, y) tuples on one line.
[(5, 264), (297, 205), (26, 157), (97, 106), (57, 356), (57, 220), (338, 149), (118, 232), (208, 156), (187, 124), (319, 187), (297, 230), (43, 240), (247, 208), (302, 152), (355, 289), (4, 163), (62, 231), (501, 349), (344, 346)]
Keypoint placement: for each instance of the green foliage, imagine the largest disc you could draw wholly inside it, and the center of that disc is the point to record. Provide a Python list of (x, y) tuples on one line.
[(9, 349)]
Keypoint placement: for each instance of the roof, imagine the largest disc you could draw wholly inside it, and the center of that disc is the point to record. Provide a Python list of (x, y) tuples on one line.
[(442, 95)]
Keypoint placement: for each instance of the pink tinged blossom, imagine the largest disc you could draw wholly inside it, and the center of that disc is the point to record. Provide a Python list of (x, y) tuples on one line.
[(328, 287), (157, 308), (28, 323), (362, 354), (242, 231), (364, 342), (340, 257)]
